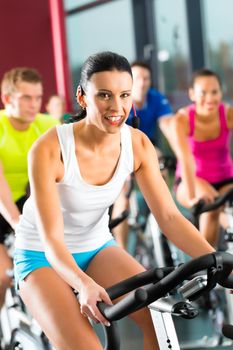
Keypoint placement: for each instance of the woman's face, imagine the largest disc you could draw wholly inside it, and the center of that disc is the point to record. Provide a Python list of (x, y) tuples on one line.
[(206, 93), (108, 99)]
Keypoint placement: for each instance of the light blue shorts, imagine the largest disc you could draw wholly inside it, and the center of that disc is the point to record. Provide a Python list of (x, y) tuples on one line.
[(26, 261)]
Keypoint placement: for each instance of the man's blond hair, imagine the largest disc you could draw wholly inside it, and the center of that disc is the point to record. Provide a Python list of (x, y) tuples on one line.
[(19, 74)]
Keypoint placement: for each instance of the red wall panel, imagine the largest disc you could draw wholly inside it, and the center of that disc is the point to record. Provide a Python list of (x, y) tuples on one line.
[(26, 39)]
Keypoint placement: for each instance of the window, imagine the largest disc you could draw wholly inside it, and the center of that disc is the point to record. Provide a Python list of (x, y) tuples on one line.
[(108, 27), (172, 50), (71, 4), (219, 41)]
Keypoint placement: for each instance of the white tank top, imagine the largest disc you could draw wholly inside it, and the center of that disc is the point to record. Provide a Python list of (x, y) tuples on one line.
[(84, 207)]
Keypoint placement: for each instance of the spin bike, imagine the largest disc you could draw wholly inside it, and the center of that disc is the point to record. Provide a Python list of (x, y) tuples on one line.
[(152, 288), (18, 329), (147, 236), (213, 307), (226, 238)]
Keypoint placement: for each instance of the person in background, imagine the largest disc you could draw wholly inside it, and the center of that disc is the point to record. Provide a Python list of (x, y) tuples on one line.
[(200, 138), (63, 241), (56, 108), (154, 112), (20, 125), (152, 107)]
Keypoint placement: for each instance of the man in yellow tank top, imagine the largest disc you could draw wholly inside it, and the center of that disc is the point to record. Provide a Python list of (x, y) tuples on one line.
[(20, 125)]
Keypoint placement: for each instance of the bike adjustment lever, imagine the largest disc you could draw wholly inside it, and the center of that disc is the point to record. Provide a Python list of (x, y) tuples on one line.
[(185, 310)]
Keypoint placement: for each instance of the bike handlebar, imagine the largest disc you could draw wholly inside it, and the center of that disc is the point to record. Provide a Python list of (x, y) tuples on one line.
[(151, 276), (167, 162), (202, 207), (227, 331), (219, 266), (156, 284), (114, 222)]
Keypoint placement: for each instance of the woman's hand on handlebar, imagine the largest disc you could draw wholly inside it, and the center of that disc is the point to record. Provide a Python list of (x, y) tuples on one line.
[(89, 294), (205, 199), (206, 192), (192, 202)]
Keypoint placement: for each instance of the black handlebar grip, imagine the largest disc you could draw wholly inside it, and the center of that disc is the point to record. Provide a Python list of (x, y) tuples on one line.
[(227, 331), (124, 306), (114, 222), (150, 276), (202, 207)]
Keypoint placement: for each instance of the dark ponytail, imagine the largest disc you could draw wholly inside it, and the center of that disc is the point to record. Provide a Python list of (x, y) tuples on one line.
[(81, 114)]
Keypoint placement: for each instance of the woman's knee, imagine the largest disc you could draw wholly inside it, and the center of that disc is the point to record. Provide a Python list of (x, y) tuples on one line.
[(5, 281), (212, 215), (142, 318)]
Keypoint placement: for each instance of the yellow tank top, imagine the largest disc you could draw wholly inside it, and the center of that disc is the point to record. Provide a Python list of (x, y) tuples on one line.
[(14, 147)]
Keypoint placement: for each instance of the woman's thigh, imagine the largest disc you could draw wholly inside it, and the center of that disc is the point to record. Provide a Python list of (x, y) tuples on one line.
[(54, 305), (6, 263), (112, 265)]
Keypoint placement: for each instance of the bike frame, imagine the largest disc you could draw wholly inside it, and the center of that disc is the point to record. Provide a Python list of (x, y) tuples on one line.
[(16, 322), (164, 328)]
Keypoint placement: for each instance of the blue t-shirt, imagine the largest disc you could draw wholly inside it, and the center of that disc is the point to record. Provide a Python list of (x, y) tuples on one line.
[(155, 107)]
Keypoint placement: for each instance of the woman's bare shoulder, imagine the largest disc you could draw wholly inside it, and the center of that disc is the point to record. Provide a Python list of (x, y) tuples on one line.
[(46, 145), (180, 122), (142, 147), (182, 114), (139, 138)]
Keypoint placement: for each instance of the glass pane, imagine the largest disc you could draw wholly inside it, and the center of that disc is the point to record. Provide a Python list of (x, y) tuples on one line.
[(173, 50), (219, 41), (71, 4), (104, 28)]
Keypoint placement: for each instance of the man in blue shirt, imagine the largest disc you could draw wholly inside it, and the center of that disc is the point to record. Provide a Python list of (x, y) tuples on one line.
[(151, 106), (153, 110)]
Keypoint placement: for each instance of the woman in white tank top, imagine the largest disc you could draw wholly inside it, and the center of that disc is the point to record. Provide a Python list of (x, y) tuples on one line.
[(76, 172)]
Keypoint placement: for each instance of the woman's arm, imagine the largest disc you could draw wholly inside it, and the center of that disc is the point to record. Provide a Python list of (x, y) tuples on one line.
[(179, 142), (164, 123), (174, 225), (229, 114), (45, 169), (8, 208)]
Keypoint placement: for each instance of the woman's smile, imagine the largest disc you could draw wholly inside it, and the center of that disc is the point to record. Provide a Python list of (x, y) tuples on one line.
[(114, 120)]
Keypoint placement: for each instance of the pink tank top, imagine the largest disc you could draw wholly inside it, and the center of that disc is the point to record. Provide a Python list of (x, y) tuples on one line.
[(212, 157)]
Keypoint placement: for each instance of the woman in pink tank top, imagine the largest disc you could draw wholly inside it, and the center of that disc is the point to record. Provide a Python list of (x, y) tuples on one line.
[(201, 141)]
